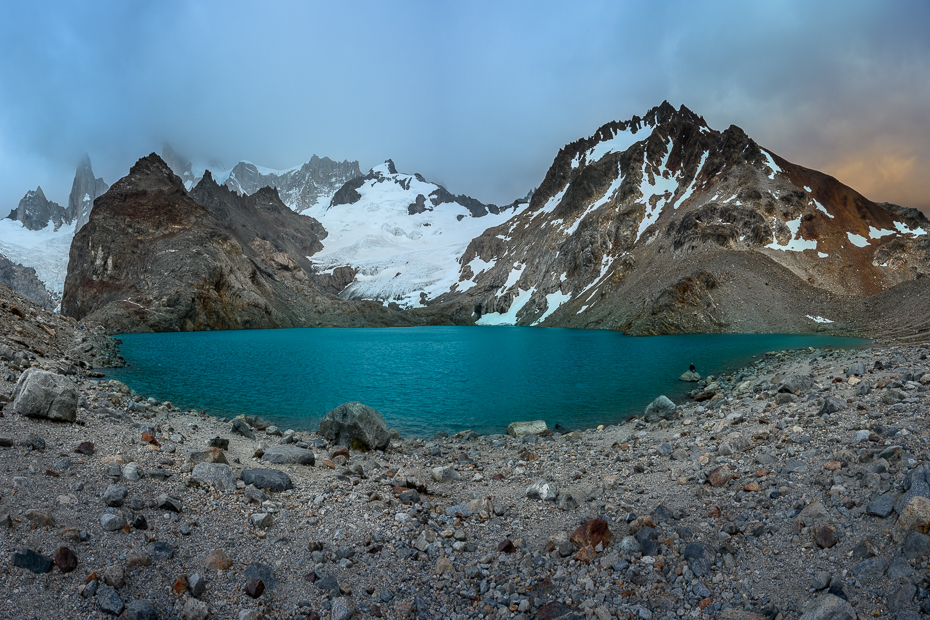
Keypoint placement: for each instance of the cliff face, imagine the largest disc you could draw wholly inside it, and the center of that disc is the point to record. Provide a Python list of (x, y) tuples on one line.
[(154, 257), (23, 280), (660, 224)]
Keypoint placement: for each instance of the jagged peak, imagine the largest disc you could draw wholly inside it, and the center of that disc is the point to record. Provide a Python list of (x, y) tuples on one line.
[(150, 171)]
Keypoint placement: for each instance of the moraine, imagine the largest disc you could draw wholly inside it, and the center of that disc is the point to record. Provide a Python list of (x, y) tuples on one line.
[(425, 380)]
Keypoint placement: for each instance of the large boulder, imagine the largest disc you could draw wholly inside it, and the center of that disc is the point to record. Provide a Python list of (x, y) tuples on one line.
[(690, 376), (289, 455), (268, 479), (796, 384), (660, 409), (42, 394), (521, 429), (356, 425), (217, 474)]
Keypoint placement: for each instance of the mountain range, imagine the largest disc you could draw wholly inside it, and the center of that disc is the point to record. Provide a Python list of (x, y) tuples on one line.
[(656, 224)]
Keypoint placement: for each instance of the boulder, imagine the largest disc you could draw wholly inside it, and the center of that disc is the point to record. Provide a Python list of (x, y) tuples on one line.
[(521, 429), (270, 479), (828, 607), (289, 455), (660, 409), (690, 376), (218, 475), (832, 405), (542, 490), (915, 517), (41, 394), (733, 443), (356, 425), (795, 384)]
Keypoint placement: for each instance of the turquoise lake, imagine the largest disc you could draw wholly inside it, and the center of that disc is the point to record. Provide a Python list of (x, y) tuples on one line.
[(427, 379)]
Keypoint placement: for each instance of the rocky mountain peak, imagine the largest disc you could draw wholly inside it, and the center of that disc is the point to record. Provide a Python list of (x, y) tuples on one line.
[(35, 211), (84, 190)]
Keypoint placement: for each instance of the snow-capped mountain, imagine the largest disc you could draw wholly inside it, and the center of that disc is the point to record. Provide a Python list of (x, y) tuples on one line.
[(401, 235), (307, 186), (662, 224), (38, 232)]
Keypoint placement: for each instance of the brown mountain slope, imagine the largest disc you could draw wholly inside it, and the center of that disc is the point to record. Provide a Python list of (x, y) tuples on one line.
[(663, 225), (154, 257)]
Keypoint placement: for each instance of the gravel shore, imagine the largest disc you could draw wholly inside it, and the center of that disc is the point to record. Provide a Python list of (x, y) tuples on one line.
[(796, 488)]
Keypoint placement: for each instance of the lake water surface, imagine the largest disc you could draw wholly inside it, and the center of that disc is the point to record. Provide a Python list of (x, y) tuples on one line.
[(434, 378)]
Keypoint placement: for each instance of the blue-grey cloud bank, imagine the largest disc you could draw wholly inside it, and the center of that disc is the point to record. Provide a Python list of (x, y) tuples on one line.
[(478, 96)]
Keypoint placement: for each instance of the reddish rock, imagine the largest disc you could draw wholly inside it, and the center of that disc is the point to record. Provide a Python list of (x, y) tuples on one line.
[(592, 533), (340, 451), (148, 437), (506, 546), (180, 585), (65, 560), (254, 587), (217, 560), (720, 476), (586, 554), (85, 447), (826, 537)]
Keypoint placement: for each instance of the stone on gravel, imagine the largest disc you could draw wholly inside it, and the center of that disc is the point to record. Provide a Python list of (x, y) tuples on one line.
[(111, 522), (591, 534), (662, 408), (141, 610), (522, 429), (262, 520), (733, 443), (832, 405), (195, 609), (795, 384), (543, 490), (828, 607), (356, 425), (213, 455), (169, 502), (115, 495), (558, 611), (217, 475), (914, 518), (269, 479), (65, 560), (109, 601), (42, 394), (160, 551), (217, 560), (343, 608), (32, 561), (882, 506), (262, 572), (444, 474), (288, 455), (239, 427), (813, 514), (254, 587), (700, 557), (916, 545)]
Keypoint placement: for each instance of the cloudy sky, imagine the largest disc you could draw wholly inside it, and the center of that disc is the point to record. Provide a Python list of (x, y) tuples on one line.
[(478, 96)]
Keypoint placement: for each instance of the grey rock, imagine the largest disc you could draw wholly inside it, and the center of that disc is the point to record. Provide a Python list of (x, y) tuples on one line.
[(543, 490), (892, 396), (114, 575), (832, 405), (263, 572), (239, 427), (813, 514), (114, 496), (141, 610), (111, 522), (343, 608), (828, 607), (197, 584), (690, 376), (915, 483), (662, 408), (700, 557), (900, 568), (901, 597), (32, 561), (821, 580), (41, 394), (269, 479), (794, 384), (262, 520), (872, 568), (864, 389), (733, 443), (882, 506), (109, 601), (856, 369), (521, 429), (288, 455), (916, 545), (195, 609), (169, 502), (160, 551), (131, 472), (444, 474), (859, 436), (353, 424), (218, 475), (566, 502)]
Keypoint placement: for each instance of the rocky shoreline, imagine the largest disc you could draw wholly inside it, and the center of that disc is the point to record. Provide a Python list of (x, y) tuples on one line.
[(796, 488)]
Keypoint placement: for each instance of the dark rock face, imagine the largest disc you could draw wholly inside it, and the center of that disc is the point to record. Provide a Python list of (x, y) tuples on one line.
[(154, 257), (84, 190), (35, 211), (24, 281)]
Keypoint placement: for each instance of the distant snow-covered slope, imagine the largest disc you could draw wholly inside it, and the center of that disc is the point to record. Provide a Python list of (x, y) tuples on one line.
[(45, 250), (402, 235)]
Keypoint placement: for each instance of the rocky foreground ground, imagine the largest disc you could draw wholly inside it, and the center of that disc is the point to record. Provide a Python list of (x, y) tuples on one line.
[(796, 488)]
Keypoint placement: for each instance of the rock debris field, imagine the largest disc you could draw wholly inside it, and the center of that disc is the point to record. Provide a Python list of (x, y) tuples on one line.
[(798, 487)]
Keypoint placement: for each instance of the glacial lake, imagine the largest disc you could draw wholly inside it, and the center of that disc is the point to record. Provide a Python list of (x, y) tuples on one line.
[(427, 379)]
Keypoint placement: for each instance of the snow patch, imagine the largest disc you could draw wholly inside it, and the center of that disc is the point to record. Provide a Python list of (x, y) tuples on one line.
[(857, 240), (772, 165), (553, 202), (509, 317), (818, 319), (44, 250), (796, 243), (620, 142), (553, 301), (878, 233), (823, 209), (902, 228), (807, 189), (822, 255)]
